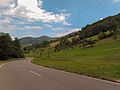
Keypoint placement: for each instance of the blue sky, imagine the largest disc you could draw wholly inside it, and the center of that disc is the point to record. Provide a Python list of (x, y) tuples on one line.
[(55, 18)]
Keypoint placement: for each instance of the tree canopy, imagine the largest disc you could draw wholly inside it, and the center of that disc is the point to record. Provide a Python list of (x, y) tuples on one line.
[(10, 48)]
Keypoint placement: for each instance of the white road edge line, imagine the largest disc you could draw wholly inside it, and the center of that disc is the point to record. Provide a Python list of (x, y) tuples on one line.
[(106, 81), (36, 73), (2, 65)]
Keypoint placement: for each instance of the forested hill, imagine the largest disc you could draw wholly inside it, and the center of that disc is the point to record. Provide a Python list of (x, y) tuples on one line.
[(30, 40), (92, 33), (9, 48), (93, 51), (87, 36), (111, 23)]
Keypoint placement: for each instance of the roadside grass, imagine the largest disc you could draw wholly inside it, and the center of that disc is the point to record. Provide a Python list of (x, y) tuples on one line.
[(102, 60), (9, 60), (1, 62)]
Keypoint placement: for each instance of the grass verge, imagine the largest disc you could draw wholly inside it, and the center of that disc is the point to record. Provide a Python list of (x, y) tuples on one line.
[(6, 61), (101, 61)]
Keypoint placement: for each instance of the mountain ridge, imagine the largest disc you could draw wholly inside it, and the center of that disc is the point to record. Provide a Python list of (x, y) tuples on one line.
[(32, 40)]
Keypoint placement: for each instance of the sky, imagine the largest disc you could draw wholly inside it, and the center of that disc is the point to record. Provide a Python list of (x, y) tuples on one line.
[(54, 18)]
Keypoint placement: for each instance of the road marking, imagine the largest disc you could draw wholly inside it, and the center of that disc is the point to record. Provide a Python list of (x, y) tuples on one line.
[(97, 79), (36, 73), (89, 77), (2, 65)]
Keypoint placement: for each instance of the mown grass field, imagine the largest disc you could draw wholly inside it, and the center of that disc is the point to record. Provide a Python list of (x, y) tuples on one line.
[(102, 60)]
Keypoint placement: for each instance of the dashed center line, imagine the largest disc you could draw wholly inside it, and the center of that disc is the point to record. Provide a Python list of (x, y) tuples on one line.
[(36, 73)]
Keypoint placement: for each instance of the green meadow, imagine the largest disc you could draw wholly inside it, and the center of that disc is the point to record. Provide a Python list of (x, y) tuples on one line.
[(102, 60)]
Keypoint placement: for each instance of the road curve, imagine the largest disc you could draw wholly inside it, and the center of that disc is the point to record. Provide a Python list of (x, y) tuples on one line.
[(23, 75)]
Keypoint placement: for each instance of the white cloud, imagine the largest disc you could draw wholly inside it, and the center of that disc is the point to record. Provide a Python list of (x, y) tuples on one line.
[(9, 28), (58, 29), (16, 12), (63, 10), (101, 18), (116, 0), (13, 38), (70, 30), (30, 27), (73, 30), (48, 25), (5, 20), (5, 3), (32, 11), (66, 23)]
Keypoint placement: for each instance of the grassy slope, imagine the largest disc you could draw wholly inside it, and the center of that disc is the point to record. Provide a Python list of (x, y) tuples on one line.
[(101, 61), (77, 36)]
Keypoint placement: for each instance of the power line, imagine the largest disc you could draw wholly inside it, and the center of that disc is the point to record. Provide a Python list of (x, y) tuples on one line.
[(80, 14), (101, 4), (87, 17), (85, 9)]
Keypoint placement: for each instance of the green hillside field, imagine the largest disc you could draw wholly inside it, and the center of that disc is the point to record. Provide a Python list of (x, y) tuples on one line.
[(101, 61)]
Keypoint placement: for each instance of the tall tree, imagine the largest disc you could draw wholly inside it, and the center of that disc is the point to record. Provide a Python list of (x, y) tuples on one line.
[(9, 48), (5, 47), (18, 52)]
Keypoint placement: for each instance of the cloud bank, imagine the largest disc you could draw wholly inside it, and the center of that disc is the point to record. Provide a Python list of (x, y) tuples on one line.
[(19, 15), (116, 0), (65, 31), (31, 10)]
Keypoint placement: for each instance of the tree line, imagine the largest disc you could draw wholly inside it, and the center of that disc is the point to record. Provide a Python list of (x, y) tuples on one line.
[(110, 24), (10, 48)]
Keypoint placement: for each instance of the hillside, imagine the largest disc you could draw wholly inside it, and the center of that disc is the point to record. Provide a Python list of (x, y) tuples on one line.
[(92, 51), (102, 60), (110, 23), (88, 35), (30, 40)]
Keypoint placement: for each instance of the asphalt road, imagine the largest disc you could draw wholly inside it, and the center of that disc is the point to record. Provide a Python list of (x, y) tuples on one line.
[(23, 75)]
